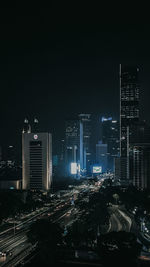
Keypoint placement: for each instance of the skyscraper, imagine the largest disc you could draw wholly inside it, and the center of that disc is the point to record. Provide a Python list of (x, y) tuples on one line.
[(78, 143), (139, 154), (140, 165), (101, 156), (129, 112), (85, 148), (110, 136), (36, 161), (72, 143)]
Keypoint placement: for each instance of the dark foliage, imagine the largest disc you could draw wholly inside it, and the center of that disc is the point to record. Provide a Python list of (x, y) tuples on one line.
[(48, 237), (118, 248)]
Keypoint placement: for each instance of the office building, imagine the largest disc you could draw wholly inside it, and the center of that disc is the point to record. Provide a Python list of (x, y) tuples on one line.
[(85, 141), (110, 136), (72, 144), (140, 165), (36, 161), (129, 112), (139, 154), (117, 168), (101, 156)]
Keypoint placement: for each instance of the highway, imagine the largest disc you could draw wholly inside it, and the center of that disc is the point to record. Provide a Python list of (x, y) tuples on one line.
[(119, 221), (18, 248), (60, 211), (13, 240)]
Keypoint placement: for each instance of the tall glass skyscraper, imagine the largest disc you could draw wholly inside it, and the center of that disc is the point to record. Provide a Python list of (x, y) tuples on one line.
[(129, 112), (85, 131), (110, 136), (72, 143), (78, 143)]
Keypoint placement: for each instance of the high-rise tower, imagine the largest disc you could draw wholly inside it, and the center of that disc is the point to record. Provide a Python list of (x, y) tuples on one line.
[(36, 160), (85, 137), (72, 143), (129, 112), (110, 136)]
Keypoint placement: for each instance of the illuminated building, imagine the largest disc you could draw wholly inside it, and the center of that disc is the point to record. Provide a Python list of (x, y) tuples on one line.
[(78, 143), (72, 143), (101, 155), (129, 112), (140, 165), (110, 136), (139, 154), (85, 141), (36, 161)]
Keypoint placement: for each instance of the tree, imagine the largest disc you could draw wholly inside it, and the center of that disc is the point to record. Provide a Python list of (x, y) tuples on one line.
[(49, 236), (116, 198), (119, 247)]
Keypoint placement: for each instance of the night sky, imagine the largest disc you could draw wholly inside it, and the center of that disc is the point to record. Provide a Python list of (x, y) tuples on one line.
[(51, 68)]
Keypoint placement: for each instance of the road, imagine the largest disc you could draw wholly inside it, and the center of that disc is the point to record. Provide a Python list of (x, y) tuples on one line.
[(119, 221), (14, 240)]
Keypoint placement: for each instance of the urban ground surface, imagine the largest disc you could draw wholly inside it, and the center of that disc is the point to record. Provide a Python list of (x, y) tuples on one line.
[(89, 222)]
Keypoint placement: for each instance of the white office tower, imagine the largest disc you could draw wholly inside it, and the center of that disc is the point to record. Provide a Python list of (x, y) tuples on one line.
[(36, 161)]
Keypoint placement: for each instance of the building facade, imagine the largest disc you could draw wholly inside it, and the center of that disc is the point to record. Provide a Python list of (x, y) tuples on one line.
[(140, 165), (110, 136), (85, 141), (36, 161), (102, 156), (72, 144), (129, 112)]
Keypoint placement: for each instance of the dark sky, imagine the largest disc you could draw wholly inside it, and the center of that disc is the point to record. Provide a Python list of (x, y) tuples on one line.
[(51, 68)]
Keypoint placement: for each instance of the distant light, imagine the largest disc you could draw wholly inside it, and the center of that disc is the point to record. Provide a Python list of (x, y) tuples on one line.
[(114, 121), (79, 167), (35, 120), (26, 120), (35, 136), (106, 119), (97, 169), (73, 168)]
